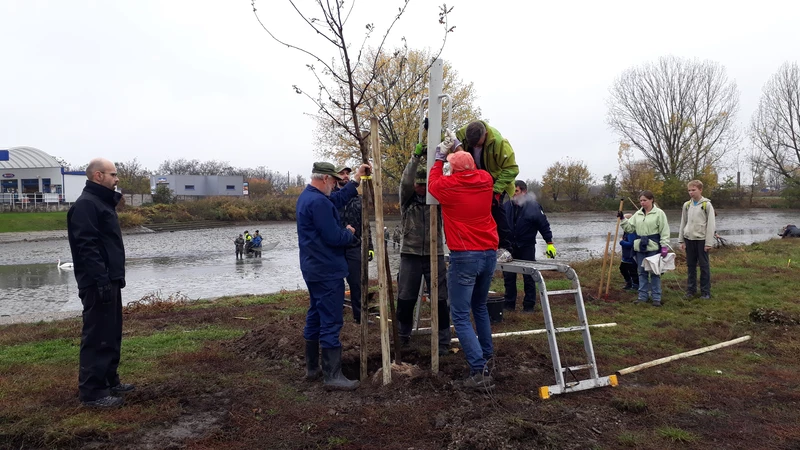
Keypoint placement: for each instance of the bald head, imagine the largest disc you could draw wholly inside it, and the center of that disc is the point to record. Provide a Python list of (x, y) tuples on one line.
[(102, 172)]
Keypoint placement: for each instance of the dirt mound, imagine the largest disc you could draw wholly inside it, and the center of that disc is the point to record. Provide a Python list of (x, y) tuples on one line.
[(280, 340), (773, 316)]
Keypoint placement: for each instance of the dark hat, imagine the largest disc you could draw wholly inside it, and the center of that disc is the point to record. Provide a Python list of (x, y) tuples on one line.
[(341, 169), (326, 168), (422, 176)]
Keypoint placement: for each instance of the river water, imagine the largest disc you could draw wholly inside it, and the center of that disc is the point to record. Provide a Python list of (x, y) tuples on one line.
[(201, 263)]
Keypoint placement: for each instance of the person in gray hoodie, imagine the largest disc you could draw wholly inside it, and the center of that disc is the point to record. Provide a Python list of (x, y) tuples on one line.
[(415, 259), (696, 237)]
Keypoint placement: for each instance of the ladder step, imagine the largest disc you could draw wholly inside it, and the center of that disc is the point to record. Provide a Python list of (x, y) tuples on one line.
[(568, 329), (581, 367), (564, 292)]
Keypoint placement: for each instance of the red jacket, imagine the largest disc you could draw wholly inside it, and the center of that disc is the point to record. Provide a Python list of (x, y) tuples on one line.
[(466, 200)]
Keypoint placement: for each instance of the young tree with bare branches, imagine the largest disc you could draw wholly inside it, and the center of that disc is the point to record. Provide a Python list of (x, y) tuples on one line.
[(679, 113), (775, 126)]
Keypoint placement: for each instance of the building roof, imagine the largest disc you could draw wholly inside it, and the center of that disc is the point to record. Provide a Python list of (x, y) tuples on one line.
[(28, 158)]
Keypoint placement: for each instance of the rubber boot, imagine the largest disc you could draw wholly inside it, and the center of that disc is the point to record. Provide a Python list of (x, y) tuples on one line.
[(332, 369), (444, 341), (313, 371), (404, 332)]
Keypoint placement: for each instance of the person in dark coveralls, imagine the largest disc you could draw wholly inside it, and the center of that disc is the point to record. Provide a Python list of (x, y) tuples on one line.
[(350, 214), (415, 253), (98, 255), (526, 218), (323, 243), (239, 242)]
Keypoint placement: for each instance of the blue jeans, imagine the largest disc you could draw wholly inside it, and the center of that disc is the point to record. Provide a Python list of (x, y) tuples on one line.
[(649, 282), (469, 276), (324, 318)]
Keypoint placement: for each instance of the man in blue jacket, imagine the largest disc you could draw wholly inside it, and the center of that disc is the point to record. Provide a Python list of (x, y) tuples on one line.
[(323, 243), (525, 218), (98, 255)]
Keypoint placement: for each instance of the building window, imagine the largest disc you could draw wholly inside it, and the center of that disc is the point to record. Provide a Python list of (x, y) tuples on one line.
[(188, 187), (230, 187)]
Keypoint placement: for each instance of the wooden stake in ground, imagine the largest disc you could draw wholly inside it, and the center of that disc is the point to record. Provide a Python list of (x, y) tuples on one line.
[(395, 337), (698, 351), (383, 280), (614, 248), (603, 269), (365, 204)]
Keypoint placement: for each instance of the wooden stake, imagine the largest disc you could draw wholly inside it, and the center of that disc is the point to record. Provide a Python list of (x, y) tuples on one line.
[(383, 281), (434, 288), (698, 351), (395, 337), (614, 248), (603, 270), (365, 204)]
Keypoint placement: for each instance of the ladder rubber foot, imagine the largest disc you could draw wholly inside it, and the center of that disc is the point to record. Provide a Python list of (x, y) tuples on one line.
[(544, 392), (612, 380)]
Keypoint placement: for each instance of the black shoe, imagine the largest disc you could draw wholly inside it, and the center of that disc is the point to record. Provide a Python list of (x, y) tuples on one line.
[(657, 304), (705, 296), (105, 402), (313, 372), (479, 382), (529, 309), (332, 370), (123, 388), (627, 287), (689, 295)]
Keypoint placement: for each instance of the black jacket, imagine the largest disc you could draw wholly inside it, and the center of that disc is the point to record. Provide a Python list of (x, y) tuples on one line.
[(95, 238), (527, 220), (350, 214)]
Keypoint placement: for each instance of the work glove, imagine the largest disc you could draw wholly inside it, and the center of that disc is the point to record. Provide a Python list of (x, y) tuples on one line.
[(664, 251), (620, 215), (496, 199), (418, 150), (122, 283), (371, 255), (551, 250), (106, 293), (440, 155)]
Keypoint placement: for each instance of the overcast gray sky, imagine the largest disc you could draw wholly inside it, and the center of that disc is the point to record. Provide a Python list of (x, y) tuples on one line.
[(167, 79)]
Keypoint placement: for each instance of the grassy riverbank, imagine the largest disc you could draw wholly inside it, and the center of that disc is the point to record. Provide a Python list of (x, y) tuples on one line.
[(226, 374), (14, 222)]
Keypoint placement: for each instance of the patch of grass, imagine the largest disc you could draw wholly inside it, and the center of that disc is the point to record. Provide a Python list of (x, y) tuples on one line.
[(631, 439), (14, 222), (677, 435), (334, 441), (53, 351), (634, 405)]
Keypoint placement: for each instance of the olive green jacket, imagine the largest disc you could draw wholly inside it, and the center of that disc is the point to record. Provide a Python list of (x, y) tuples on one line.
[(654, 222), (497, 159)]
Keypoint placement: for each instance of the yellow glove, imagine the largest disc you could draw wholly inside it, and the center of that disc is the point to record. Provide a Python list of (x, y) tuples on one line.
[(371, 255), (551, 250)]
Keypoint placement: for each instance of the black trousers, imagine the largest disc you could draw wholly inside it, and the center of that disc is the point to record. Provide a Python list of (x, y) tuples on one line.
[(409, 278), (510, 280), (353, 256), (101, 339), (503, 228), (630, 273), (696, 254)]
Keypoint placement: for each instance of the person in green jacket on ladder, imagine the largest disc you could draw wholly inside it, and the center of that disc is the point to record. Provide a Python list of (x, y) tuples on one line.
[(494, 154)]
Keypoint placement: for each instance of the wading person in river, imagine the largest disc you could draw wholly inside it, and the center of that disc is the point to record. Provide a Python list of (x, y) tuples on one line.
[(650, 223), (239, 243), (98, 255), (323, 242), (466, 202)]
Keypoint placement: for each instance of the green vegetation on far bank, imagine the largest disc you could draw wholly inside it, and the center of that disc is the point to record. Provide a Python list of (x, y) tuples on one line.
[(229, 370), (32, 221)]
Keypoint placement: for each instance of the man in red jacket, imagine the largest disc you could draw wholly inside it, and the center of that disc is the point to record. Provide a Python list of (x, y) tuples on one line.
[(466, 202)]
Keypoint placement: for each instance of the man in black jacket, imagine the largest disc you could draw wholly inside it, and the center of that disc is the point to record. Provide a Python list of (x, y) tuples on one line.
[(525, 218), (98, 256), (350, 214)]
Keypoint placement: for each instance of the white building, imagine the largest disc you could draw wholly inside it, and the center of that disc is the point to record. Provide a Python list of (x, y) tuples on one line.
[(30, 172)]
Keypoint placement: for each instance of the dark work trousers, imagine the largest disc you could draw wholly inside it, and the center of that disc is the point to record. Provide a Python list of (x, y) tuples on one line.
[(101, 339), (503, 229), (630, 273), (324, 318), (510, 280), (353, 256), (409, 279), (696, 254)]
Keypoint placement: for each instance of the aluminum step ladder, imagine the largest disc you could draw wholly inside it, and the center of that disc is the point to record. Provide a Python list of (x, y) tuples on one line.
[(562, 386)]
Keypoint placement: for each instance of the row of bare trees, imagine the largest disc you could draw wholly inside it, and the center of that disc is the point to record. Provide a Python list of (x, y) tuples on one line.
[(679, 114)]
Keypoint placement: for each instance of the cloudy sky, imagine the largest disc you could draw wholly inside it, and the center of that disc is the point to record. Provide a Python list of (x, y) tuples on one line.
[(167, 79)]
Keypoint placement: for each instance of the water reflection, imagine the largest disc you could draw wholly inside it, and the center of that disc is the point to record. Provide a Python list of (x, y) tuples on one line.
[(201, 263)]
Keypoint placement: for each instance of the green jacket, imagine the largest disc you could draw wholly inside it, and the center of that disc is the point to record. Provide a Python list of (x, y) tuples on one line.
[(654, 222), (497, 159)]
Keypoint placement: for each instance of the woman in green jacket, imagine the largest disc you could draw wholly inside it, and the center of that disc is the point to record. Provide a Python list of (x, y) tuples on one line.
[(650, 223)]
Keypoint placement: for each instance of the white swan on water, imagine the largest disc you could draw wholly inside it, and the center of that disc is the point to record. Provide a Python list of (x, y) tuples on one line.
[(65, 266)]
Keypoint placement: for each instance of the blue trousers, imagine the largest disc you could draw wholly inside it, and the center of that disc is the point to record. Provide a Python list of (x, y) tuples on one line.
[(649, 283), (324, 318), (469, 276)]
